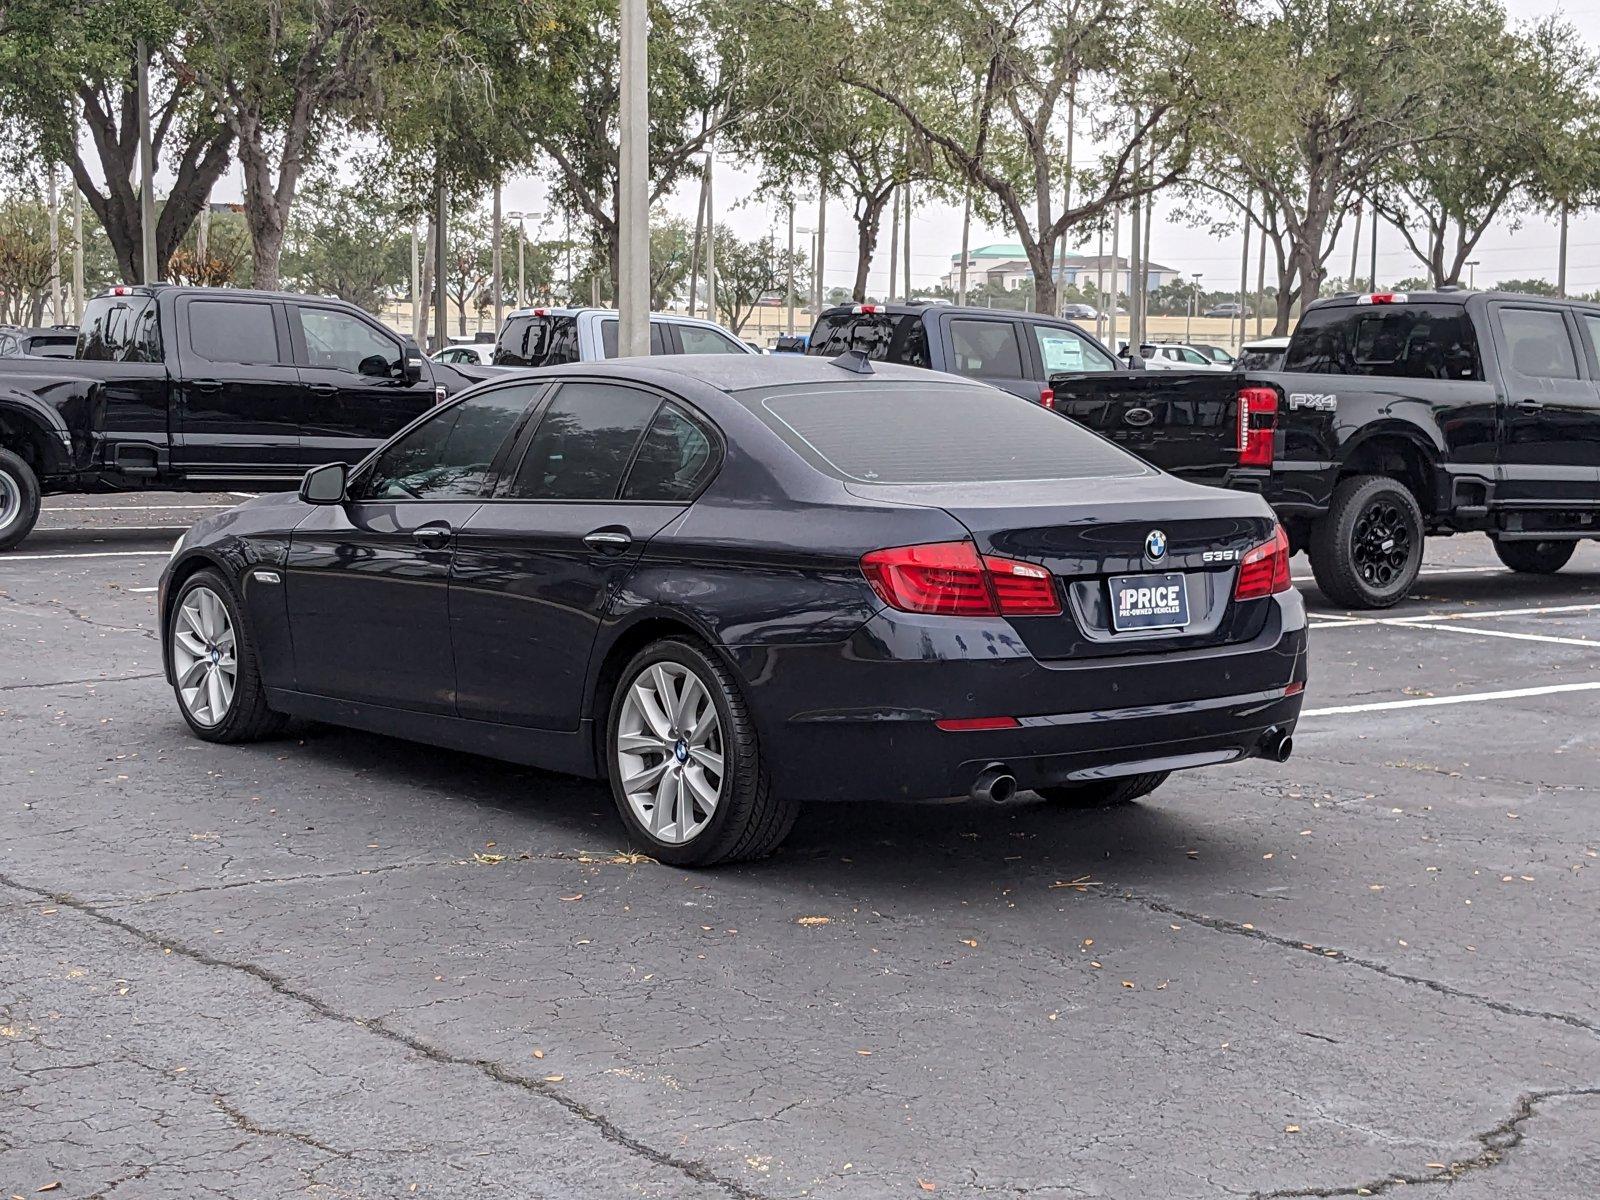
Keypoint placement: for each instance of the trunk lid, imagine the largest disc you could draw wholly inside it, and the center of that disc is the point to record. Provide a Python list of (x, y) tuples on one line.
[(1183, 422), (1089, 532)]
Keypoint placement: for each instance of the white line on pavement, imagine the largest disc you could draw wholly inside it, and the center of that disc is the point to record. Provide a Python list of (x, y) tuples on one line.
[(1427, 571), (122, 529), (1468, 698), (128, 507), (243, 495), (1506, 633), (5, 558), (144, 589)]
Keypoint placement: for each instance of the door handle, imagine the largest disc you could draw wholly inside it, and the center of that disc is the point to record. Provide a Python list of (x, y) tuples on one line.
[(1530, 405), (205, 385), (321, 389), (433, 537), (608, 540)]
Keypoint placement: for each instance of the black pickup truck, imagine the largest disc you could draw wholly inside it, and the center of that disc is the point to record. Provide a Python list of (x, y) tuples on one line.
[(203, 388), (1393, 417)]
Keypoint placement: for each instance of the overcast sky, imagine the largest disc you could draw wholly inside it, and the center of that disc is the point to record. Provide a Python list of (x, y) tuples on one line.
[(1504, 253)]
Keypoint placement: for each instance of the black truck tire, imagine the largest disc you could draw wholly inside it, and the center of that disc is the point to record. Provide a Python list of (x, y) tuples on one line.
[(1366, 549), (1104, 793), (1535, 558), (19, 499)]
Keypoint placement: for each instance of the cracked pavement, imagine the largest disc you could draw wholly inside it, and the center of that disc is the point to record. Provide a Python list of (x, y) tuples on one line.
[(280, 970)]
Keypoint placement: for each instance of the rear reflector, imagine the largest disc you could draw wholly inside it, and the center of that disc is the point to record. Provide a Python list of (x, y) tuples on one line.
[(1383, 298), (951, 579), (964, 724), (1048, 398), (1294, 689), (1258, 419), (1264, 570)]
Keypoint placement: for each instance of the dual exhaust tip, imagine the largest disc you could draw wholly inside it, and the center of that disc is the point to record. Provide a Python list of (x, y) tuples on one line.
[(996, 784)]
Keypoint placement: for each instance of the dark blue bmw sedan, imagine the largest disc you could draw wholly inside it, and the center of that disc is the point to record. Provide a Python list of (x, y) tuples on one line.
[(731, 584)]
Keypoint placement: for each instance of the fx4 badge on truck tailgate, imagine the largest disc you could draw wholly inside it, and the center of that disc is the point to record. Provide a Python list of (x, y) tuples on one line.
[(1319, 401)]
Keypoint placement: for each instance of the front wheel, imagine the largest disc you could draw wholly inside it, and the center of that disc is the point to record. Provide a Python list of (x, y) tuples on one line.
[(1366, 550), (19, 499), (685, 768), (1535, 558), (214, 670), (1104, 793)]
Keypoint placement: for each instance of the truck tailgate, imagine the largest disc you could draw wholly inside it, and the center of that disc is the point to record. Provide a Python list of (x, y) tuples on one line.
[(1185, 423)]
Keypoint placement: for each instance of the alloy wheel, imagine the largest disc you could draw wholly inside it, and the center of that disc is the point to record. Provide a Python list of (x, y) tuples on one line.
[(205, 659), (10, 499), (1382, 543), (669, 752)]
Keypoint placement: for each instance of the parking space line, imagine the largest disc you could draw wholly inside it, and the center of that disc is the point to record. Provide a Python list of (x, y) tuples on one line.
[(5, 558), (1425, 571), (1553, 689), (1339, 621), (122, 529), (129, 507), (1506, 633)]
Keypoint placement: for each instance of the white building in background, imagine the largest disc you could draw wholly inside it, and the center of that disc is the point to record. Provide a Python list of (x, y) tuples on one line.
[(1005, 264)]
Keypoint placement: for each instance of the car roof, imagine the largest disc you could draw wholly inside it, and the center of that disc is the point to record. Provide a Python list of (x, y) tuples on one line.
[(541, 310), (918, 308), (739, 372)]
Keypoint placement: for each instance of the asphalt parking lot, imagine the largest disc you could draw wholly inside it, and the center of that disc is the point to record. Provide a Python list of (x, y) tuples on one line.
[(341, 965)]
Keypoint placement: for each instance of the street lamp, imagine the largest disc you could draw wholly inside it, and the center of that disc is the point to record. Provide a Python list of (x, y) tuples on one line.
[(521, 218), (1472, 272), (807, 231), (1194, 302)]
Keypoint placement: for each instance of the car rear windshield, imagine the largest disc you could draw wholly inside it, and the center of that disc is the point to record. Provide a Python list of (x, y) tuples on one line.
[(882, 337), (914, 432), (1406, 341), (537, 341), (120, 329)]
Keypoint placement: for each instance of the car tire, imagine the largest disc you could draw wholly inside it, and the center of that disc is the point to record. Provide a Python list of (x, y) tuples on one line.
[(19, 499), (1367, 549), (667, 816), (1104, 793), (1535, 558), (206, 610)]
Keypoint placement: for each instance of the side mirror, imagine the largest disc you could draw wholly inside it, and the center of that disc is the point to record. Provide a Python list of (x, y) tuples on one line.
[(325, 484), (411, 367)]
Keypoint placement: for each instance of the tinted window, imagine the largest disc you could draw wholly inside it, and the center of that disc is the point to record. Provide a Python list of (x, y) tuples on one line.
[(52, 345), (232, 331), (1592, 323), (987, 349), (8, 344), (882, 337), (448, 456), (1537, 343), (537, 342), (1412, 341), (584, 443), (340, 341), (1066, 350), (120, 329), (608, 338), (674, 459), (696, 340), (934, 433)]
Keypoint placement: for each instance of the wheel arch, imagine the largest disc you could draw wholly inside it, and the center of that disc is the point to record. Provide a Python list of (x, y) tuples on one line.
[(36, 433), (178, 574), (1405, 454)]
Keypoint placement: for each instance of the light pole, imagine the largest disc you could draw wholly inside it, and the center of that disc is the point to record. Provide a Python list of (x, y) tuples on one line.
[(521, 218), (633, 298), (1472, 272), (806, 231), (1194, 302), (148, 267), (789, 294)]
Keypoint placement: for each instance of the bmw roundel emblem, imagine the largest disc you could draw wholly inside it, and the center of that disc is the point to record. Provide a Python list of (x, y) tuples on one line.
[(1155, 545)]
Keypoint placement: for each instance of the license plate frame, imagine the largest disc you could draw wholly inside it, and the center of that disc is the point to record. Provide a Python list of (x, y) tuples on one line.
[(1155, 611)]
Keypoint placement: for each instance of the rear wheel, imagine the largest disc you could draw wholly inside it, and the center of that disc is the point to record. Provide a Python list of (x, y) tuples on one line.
[(1104, 793), (1367, 549), (685, 767), (19, 499), (214, 670), (1535, 558)]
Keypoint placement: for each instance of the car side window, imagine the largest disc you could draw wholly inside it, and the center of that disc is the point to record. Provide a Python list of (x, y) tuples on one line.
[(449, 456), (584, 443), (696, 339), (675, 458), (233, 331), (608, 337), (339, 341), (1591, 322), (986, 348), (1538, 344), (1067, 350)]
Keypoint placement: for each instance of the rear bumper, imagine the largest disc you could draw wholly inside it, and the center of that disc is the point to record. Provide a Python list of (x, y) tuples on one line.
[(1076, 719)]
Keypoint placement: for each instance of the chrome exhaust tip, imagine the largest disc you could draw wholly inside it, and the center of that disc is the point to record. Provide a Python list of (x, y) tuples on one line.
[(995, 784)]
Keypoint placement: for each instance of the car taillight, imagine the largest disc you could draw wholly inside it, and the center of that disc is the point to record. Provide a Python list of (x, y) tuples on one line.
[(1383, 298), (952, 579), (1258, 419), (1264, 569), (1048, 397)]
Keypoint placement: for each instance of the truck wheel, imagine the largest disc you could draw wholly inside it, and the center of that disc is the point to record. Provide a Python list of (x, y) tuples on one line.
[(1535, 558), (19, 499), (1367, 549), (1105, 793)]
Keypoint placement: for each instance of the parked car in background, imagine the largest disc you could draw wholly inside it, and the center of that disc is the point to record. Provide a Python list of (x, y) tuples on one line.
[(790, 343), (1263, 354), (1230, 309), (1168, 356), (1080, 312), (552, 337), (1214, 352), (730, 585), (1017, 351), (1393, 417), (197, 389), (476, 353), (56, 341)]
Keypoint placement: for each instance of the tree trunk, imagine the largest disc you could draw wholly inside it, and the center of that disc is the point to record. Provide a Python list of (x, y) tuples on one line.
[(869, 222)]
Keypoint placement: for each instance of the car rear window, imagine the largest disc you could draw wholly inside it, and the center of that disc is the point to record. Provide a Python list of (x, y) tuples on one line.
[(1404, 341), (882, 337), (120, 329), (916, 432), (537, 341)]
